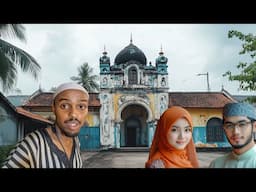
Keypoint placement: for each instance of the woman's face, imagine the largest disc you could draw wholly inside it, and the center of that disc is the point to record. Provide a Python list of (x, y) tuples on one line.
[(179, 134)]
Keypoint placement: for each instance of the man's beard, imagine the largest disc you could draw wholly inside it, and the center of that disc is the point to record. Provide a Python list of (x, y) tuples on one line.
[(243, 145), (69, 134)]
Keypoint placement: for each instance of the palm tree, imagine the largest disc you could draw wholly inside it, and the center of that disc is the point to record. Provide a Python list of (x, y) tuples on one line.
[(12, 56), (85, 78)]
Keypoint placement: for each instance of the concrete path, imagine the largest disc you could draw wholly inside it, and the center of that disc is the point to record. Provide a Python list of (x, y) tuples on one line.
[(110, 159)]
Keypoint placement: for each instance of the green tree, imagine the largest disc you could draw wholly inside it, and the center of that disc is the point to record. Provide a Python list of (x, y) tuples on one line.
[(12, 56), (247, 76), (86, 79)]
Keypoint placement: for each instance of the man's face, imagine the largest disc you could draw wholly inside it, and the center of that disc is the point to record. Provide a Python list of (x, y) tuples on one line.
[(238, 130), (71, 108)]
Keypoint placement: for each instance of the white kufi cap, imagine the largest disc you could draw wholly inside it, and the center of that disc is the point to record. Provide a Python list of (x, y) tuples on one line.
[(69, 86)]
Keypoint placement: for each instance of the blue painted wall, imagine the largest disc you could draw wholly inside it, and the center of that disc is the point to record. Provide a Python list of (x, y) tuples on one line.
[(89, 138), (8, 126), (199, 136)]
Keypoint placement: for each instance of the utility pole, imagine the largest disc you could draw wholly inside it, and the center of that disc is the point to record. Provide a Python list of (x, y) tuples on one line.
[(207, 75)]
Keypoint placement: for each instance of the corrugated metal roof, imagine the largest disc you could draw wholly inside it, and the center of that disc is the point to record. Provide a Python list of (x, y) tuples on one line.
[(18, 100)]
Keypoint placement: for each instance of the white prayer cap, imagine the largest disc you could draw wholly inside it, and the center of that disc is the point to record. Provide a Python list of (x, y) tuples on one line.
[(69, 86)]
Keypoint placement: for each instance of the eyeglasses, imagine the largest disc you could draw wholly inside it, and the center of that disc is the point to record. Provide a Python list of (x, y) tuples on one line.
[(241, 125)]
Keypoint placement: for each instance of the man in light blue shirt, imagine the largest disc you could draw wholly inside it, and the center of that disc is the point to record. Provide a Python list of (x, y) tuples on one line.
[(239, 123)]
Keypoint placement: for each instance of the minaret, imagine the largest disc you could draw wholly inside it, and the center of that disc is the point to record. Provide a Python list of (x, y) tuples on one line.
[(104, 62)]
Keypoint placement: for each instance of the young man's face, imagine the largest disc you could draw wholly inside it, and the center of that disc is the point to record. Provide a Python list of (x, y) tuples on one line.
[(71, 109), (238, 130)]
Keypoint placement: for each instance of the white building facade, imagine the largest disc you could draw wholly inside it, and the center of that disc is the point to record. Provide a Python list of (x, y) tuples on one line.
[(133, 95)]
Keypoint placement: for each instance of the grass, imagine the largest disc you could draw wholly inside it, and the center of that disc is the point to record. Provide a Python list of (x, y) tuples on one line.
[(4, 151)]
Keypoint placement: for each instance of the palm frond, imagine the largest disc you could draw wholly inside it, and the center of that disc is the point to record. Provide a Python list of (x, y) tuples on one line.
[(13, 31), (8, 73), (20, 57), (85, 78)]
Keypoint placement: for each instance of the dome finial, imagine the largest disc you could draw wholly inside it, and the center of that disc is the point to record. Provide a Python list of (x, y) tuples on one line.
[(161, 50), (131, 39), (104, 51)]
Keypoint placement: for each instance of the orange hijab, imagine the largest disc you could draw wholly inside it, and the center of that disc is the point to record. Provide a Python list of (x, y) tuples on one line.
[(160, 147)]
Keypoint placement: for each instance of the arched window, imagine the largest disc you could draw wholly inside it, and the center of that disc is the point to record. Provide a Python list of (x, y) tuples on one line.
[(163, 83), (132, 74), (214, 130)]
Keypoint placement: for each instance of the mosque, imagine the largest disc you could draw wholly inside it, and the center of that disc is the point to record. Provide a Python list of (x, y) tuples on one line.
[(133, 95)]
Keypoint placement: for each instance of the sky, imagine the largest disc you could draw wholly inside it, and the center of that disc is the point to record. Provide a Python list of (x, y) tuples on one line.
[(191, 49)]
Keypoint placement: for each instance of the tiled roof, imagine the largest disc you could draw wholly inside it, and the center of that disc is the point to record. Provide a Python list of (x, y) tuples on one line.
[(185, 99), (41, 99), (32, 115), (94, 100), (45, 99), (23, 112), (199, 99)]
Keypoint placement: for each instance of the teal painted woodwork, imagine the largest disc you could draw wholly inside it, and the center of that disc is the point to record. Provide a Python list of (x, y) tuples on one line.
[(89, 138)]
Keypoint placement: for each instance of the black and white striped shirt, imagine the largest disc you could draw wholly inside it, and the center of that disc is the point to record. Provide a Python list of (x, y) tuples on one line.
[(37, 150)]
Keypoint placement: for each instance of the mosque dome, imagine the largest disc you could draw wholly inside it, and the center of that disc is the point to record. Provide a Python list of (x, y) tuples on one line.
[(130, 53)]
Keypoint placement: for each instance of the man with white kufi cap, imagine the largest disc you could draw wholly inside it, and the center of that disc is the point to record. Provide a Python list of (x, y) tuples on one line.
[(57, 146)]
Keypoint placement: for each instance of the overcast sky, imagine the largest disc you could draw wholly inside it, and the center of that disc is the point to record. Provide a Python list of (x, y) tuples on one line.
[(190, 48)]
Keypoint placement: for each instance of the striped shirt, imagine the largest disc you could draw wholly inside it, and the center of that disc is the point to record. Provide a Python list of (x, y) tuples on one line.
[(37, 150)]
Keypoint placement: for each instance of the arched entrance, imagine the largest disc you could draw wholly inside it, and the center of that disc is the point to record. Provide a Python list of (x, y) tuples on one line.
[(134, 131), (214, 130)]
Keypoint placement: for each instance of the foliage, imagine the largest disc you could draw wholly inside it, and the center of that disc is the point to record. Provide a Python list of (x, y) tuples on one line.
[(88, 81), (4, 151), (247, 76), (12, 56)]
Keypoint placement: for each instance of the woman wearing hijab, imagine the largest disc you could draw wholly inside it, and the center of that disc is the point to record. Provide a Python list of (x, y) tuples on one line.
[(172, 145)]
